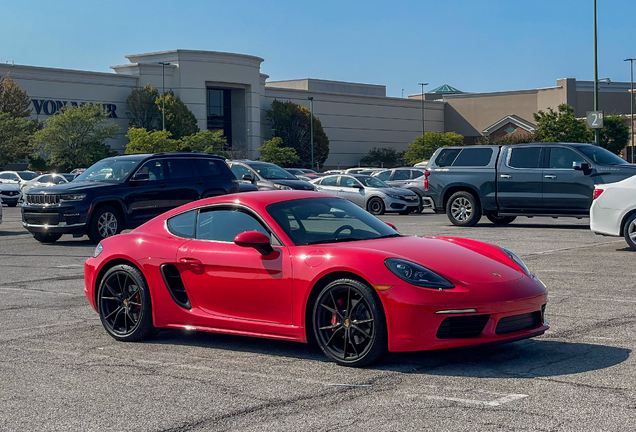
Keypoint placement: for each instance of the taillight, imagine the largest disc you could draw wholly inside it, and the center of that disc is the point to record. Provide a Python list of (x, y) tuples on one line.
[(426, 174), (597, 193)]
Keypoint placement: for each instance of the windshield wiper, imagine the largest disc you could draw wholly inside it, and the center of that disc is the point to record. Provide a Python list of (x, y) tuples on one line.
[(388, 236), (346, 239)]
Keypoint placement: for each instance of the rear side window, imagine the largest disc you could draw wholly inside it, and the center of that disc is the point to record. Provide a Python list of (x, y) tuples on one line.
[(417, 173), (525, 157), (209, 167), (183, 225), (384, 175), (474, 157), (179, 168), (330, 181), (401, 175), (446, 157)]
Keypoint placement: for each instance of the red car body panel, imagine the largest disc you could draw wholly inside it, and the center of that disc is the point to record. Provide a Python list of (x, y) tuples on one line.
[(236, 290)]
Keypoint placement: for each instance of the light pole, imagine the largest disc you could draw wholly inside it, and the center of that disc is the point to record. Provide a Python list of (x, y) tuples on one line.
[(596, 131), (422, 84), (631, 101), (311, 125), (163, 94)]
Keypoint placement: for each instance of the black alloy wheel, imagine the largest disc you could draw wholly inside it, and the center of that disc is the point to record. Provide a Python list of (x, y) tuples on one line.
[(500, 220), (349, 324), (123, 301), (46, 237), (463, 209), (375, 206)]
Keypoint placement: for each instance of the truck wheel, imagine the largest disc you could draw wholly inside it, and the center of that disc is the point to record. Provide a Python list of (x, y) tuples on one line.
[(630, 231), (463, 209), (500, 220), (106, 222), (46, 237)]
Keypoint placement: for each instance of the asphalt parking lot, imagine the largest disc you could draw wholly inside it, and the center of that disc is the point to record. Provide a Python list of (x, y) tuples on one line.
[(59, 370)]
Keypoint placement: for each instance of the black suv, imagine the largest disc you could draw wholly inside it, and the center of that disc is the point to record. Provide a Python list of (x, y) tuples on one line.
[(124, 192)]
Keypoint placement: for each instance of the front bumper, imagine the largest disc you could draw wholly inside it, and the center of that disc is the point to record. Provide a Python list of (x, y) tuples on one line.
[(54, 219), (392, 204), (10, 199)]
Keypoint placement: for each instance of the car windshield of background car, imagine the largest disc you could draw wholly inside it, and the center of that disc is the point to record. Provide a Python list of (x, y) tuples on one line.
[(27, 175), (372, 182), (272, 172), (327, 220), (111, 170), (601, 156)]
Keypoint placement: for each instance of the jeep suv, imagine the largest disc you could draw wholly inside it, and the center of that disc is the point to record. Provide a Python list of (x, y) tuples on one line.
[(123, 192)]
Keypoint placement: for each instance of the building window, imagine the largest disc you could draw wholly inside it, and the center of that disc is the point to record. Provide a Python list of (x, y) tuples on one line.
[(219, 105), (510, 129)]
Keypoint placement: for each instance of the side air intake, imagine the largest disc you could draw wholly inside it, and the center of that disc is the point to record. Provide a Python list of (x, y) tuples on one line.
[(175, 286)]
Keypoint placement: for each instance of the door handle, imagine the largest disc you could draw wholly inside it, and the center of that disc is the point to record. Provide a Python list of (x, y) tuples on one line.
[(505, 176), (550, 176), (191, 261)]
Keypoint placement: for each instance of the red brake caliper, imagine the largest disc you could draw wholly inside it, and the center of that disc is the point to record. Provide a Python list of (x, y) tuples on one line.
[(334, 317)]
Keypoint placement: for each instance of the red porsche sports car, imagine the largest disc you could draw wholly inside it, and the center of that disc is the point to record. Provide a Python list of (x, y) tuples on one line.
[(306, 266)]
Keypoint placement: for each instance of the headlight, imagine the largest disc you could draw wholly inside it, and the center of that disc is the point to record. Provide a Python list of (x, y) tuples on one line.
[(416, 274), (72, 197), (398, 197), (517, 261), (282, 187), (98, 249)]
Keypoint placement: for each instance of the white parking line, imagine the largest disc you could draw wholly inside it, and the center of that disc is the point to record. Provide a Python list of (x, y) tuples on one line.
[(504, 399)]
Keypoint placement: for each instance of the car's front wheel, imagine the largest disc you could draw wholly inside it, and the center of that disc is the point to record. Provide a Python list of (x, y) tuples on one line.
[(376, 206), (123, 300), (349, 323), (630, 231), (106, 222)]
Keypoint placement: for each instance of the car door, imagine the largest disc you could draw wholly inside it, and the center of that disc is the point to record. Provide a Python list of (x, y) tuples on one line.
[(148, 198), (231, 281), (328, 185), (354, 194), (520, 179), (400, 178), (566, 190)]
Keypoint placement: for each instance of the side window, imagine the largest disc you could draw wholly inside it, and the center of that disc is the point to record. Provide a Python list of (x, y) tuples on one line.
[(525, 157), (384, 175), (58, 180), (330, 181), (417, 173), (14, 177), (239, 171), (402, 175), (346, 181), (474, 157), (563, 158), (446, 157), (46, 179), (179, 168), (154, 169), (224, 225), (183, 225), (209, 167)]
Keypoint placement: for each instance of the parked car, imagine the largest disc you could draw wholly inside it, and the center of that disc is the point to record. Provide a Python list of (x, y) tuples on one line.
[(369, 193), (534, 179), (362, 170), (613, 211), (299, 174), (18, 177), (406, 178), (124, 192), (267, 176), (46, 180), (10, 194), (353, 283)]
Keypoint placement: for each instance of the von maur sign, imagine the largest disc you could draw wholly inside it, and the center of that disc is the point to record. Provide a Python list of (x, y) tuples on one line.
[(50, 107)]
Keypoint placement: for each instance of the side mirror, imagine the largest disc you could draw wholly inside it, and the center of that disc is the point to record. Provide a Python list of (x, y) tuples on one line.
[(582, 166), (141, 177), (248, 177), (357, 186), (256, 240)]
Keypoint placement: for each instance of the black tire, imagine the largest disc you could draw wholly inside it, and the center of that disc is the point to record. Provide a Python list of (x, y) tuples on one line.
[(349, 323), (500, 220), (463, 209), (106, 222), (46, 237), (123, 302), (629, 231), (375, 206)]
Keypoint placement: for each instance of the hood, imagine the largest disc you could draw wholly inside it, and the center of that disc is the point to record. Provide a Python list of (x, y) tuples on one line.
[(72, 187), (9, 186), (398, 192), (294, 184)]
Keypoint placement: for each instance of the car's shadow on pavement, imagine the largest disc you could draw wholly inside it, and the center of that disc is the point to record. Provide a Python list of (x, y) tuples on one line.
[(532, 225), (522, 359)]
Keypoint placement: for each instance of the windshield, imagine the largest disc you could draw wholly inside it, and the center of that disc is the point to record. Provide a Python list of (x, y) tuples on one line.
[(600, 155), (372, 182), (27, 175), (109, 170), (327, 220), (272, 172)]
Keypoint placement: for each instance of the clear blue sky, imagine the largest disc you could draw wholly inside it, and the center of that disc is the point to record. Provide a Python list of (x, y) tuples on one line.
[(476, 46)]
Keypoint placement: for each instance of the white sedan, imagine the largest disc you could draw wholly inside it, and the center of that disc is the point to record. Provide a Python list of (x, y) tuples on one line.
[(613, 210), (45, 180)]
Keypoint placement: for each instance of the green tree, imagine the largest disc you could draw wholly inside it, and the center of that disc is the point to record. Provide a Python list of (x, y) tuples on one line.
[(385, 157), (205, 142), (143, 141), (614, 135), (274, 152), (509, 139), (180, 121), (292, 123), (142, 110), (76, 137), (425, 145), (561, 126)]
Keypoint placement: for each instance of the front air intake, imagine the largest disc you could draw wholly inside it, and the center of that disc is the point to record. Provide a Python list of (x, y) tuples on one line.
[(518, 323), (462, 327), (172, 279)]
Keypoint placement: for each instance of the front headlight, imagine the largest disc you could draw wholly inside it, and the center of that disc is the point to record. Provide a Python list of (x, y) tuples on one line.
[(517, 261), (282, 187), (98, 249), (72, 197), (415, 274), (398, 197)]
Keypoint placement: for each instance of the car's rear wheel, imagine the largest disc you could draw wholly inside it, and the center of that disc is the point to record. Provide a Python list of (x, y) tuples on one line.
[(630, 231), (349, 323), (376, 206), (46, 237), (123, 301), (106, 222), (463, 209), (500, 220)]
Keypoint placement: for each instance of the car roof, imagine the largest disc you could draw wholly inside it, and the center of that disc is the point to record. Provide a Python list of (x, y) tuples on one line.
[(143, 156)]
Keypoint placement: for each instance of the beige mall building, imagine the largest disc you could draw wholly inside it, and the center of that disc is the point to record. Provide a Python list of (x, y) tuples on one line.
[(228, 91)]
